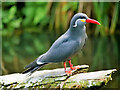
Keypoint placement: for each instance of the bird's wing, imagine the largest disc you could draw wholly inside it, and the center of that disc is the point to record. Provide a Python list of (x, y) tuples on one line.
[(62, 49)]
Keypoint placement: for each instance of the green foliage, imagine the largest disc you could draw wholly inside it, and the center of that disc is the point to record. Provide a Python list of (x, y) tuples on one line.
[(103, 53), (114, 19), (102, 11), (10, 21), (34, 14), (71, 5)]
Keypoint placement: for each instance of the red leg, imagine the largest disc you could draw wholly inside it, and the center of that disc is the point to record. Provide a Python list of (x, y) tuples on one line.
[(67, 72), (71, 66), (65, 65)]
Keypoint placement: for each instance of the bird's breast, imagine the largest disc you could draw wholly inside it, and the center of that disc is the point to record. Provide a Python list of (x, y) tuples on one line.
[(79, 44)]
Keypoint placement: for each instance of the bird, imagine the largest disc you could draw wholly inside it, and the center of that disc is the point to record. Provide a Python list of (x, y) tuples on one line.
[(66, 46)]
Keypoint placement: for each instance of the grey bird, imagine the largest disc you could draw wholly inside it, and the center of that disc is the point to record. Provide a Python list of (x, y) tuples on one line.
[(66, 46)]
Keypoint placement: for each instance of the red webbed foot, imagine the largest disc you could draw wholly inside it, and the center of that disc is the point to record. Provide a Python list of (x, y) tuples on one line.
[(71, 66), (74, 68), (68, 72)]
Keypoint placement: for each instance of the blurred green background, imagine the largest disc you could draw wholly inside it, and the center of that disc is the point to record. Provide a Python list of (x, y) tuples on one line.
[(30, 28)]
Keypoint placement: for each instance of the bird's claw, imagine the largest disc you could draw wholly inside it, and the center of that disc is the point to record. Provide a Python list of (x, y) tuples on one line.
[(68, 72), (74, 68)]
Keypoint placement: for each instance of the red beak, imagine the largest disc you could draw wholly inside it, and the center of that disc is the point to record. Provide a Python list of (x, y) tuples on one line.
[(92, 21)]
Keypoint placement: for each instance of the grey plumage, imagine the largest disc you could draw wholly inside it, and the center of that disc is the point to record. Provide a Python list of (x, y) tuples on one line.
[(65, 46)]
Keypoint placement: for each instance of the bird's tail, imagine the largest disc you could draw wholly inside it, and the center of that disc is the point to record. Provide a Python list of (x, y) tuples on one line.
[(32, 67)]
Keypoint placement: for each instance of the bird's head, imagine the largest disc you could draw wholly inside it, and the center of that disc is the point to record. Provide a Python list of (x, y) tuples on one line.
[(80, 19)]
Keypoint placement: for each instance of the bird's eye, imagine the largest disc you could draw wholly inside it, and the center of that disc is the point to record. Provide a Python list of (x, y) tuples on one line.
[(82, 17)]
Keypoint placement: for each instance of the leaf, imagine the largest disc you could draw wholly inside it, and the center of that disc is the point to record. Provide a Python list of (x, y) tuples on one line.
[(29, 12), (4, 15), (74, 5), (66, 7), (39, 15), (114, 18), (12, 12), (16, 23)]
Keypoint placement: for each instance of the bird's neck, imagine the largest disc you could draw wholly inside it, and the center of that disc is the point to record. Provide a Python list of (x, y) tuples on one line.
[(77, 31)]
